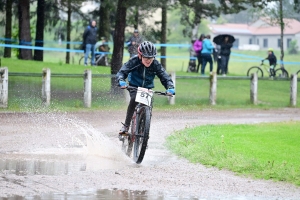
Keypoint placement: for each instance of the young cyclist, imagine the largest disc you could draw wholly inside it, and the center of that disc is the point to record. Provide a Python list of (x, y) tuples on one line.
[(141, 70), (272, 60)]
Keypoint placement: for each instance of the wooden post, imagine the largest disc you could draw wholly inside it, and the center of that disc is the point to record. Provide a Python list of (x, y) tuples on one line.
[(172, 99), (87, 95), (3, 87), (46, 87), (213, 89), (293, 95), (253, 88)]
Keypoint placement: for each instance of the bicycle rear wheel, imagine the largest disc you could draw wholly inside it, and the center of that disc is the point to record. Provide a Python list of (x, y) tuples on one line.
[(81, 60), (142, 134), (281, 73), (255, 69)]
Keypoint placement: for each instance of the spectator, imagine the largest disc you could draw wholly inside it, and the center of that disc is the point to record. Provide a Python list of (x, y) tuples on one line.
[(133, 43), (225, 54), (217, 57), (90, 39), (192, 62), (103, 48), (198, 48), (207, 50)]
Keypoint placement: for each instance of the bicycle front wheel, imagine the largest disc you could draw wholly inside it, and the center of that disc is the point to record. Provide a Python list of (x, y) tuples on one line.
[(281, 73), (142, 134), (255, 69)]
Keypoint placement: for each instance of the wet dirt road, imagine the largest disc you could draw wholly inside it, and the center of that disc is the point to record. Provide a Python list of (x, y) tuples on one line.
[(79, 153)]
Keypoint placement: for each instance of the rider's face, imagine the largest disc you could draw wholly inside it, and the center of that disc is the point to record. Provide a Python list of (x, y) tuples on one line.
[(147, 61)]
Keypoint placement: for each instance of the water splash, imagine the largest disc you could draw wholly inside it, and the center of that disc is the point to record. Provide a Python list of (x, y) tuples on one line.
[(71, 132)]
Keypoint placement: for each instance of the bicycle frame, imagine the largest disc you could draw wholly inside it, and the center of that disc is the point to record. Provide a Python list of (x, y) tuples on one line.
[(137, 138)]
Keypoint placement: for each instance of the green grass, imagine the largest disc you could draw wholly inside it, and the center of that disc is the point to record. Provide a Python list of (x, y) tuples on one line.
[(267, 150), (191, 94)]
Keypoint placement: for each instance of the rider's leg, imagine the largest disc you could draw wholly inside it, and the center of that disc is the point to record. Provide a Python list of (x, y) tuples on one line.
[(130, 111)]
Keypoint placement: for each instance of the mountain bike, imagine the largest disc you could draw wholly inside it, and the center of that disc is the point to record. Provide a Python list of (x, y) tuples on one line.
[(280, 72), (137, 138)]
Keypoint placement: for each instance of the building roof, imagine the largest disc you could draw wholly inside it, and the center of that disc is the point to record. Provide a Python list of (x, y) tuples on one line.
[(292, 27)]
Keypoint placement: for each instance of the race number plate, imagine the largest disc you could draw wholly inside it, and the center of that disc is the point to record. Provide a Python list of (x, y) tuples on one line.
[(144, 96)]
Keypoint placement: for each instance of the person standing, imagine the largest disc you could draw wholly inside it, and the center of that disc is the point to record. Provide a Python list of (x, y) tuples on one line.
[(133, 43), (207, 50), (90, 39), (225, 54), (217, 58), (198, 48)]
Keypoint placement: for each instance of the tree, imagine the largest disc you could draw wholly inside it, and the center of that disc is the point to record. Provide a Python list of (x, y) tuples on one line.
[(293, 49), (24, 29), (106, 8), (119, 40), (69, 11), (193, 11), (8, 28), (69, 6), (163, 39), (39, 32), (275, 15)]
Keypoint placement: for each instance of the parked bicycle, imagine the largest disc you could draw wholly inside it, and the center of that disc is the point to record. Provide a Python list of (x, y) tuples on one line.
[(100, 60), (137, 138), (280, 72)]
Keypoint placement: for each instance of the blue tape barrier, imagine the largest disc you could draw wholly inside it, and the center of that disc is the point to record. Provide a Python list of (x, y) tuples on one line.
[(48, 49), (40, 41), (256, 59)]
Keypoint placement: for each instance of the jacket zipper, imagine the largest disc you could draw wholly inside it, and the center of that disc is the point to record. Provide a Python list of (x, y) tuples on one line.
[(144, 76)]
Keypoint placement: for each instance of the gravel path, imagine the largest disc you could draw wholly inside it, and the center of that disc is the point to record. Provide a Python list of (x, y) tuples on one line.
[(67, 152)]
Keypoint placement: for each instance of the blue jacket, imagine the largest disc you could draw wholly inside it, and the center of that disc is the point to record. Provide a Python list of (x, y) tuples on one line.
[(207, 46), (90, 35), (141, 76)]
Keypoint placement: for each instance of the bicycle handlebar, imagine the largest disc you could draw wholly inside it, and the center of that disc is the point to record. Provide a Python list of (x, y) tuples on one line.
[(155, 92)]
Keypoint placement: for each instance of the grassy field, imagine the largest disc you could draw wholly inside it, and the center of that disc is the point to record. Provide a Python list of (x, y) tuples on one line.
[(191, 94), (267, 150), (179, 58)]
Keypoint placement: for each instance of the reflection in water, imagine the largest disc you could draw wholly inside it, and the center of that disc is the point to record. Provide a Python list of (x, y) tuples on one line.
[(104, 194), (38, 167), (57, 165)]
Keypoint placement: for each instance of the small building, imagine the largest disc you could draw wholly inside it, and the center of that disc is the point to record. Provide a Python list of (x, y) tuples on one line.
[(260, 34)]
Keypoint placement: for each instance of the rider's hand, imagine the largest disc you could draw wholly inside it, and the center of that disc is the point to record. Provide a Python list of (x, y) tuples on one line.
[(122, 84), (171, 91)]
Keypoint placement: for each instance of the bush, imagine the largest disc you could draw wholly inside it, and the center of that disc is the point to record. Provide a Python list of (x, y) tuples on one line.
[(293, 49)]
